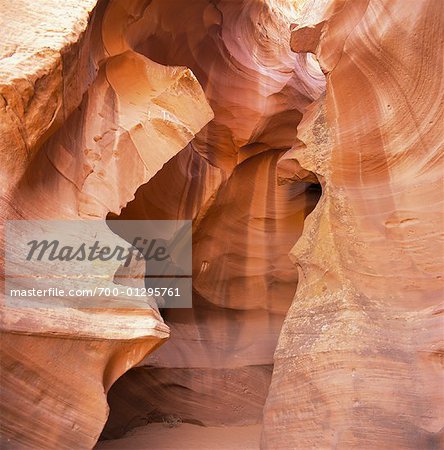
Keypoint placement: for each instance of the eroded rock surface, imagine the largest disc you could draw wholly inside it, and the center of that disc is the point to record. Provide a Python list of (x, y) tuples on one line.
[(84, 122), (359, 359), (198, 109), (245, 222)]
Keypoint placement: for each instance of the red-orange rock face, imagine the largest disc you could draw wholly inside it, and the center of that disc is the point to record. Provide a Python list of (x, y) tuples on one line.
[(245, 221), (77, 120), (358, 364), (230, 113), (105, 110)]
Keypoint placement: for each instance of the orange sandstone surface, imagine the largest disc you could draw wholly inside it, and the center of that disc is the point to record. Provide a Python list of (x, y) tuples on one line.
[(304, 139)]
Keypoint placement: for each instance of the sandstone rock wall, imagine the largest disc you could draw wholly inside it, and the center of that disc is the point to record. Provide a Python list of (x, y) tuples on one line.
[(83, 123), (359, 359), (200, 110), (245, 222)]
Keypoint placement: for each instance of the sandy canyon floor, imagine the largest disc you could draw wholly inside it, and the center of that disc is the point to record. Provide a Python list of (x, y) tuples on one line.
[(157, 436)]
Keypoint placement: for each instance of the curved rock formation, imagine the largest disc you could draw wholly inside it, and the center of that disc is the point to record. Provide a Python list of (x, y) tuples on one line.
[(58, 366), (42, 53), (245, 222), (200, 110), (359, 359), (84, 122)]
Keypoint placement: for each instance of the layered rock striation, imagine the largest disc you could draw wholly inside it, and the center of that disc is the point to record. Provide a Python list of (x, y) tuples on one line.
[(84, 122), (217, 366), (268, 124), (359, 359)]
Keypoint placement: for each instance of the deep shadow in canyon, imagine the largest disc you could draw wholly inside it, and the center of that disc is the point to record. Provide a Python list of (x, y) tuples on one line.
[(216, 367)]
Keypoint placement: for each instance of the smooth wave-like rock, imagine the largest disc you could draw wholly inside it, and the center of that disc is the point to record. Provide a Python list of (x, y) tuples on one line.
[(311, 128), (245, 222), (359, 359), (84, 123)]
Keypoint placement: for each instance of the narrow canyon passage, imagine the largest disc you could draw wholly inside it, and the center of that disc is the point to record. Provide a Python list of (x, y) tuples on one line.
[(184, 117), (247, 212), (303, 139)]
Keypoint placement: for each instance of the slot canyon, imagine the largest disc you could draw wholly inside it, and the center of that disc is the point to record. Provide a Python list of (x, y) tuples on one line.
[(303, 139)]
